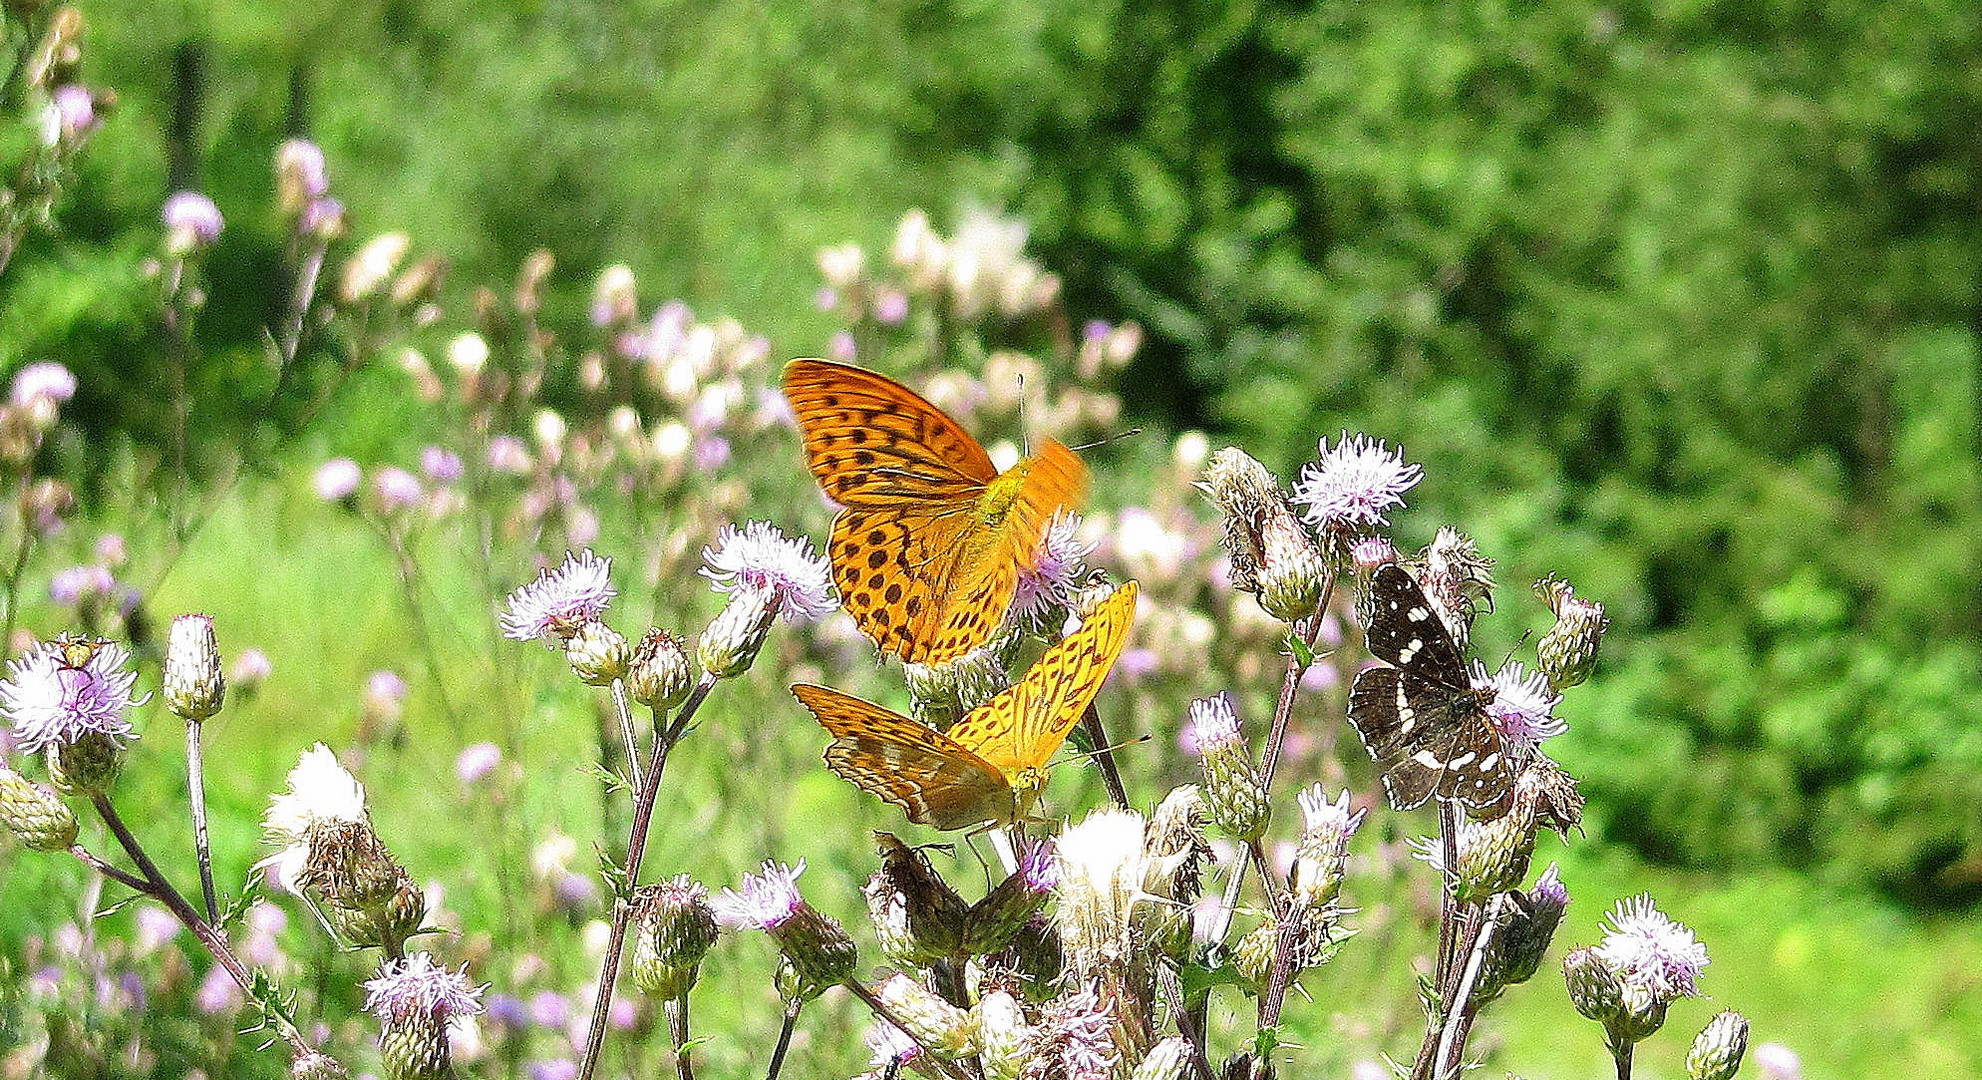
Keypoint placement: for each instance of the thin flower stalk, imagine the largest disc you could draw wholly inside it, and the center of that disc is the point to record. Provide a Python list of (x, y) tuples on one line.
[(409, 583)]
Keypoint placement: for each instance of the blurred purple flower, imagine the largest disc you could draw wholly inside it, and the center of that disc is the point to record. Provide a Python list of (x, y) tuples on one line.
[(249, 669), (110, 550), (156, 926), (191, 222), (442, 466), (549, 1009), (1320, 676), (507, 1010), (843, 348), (711, 452), (323, 219), (218, 994), (826, 299), (74, 111), (891, 307), (1096, 329), (555, 1069), (46, 379), (477, 761), (337, 479), (74, 584), (509, 454), (397, 489)]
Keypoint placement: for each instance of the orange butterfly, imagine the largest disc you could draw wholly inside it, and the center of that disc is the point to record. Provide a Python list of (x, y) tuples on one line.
[(992, 763), (928, 548)]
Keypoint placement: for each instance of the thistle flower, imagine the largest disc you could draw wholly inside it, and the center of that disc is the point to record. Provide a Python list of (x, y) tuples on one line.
[(1650, 950), (397, 490), (995, 920), (759, 558), (942, 694), (820, 952), (415, 997), (1273, 557), (1522, 706), (1047, 585), (936, 1024), (1102, 868), (1235, 792), (35, 814), (660, 675), (1001, 1033), (43, 381), (67, 690), (442, 466), (559, 602), (320, 791), (194, 684), (1316, 877), (916, 914), (300, 175), (1348, 489), (476, 761), (1568, 652), (1717, 1052), (674, 929), (1074, 1040), (337, 479), (192, 223)]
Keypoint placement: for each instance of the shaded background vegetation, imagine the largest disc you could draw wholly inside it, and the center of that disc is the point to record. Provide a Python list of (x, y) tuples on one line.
[(1687, 294)]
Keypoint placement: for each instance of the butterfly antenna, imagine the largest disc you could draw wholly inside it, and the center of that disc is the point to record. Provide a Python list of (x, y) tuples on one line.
[(1509, 658), (1079, 754), (1106, 439)]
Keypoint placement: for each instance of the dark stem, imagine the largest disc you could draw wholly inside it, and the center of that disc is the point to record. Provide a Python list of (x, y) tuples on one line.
[(1448, 908), (1189, 1025), (128, 880), (1463, 1011), (784, 1038), (1622, 1055), (677, 1010), (1266, 877), (636, 849), (196, 792), (1105, 754)]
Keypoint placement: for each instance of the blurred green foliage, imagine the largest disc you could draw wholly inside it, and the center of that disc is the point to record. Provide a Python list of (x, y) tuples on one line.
[(1677, 300)]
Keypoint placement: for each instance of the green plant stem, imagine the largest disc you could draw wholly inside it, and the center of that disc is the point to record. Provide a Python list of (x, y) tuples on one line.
[(409, 582), (1459, 1016), (22, 547), (1105, 754), (624, 711), (196, 794), (636, 850), (784, 1038), (677, 1011)]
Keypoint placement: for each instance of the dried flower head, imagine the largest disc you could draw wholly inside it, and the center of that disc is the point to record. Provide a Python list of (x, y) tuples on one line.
[(554, 606), (1457, 579), (760, 558), (1102, 867), (675, 928), (320, 791), (66, 689), (1074, 1040)]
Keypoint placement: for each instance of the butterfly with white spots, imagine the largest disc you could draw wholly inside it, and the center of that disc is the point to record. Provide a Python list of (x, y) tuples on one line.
[(1422, 720)]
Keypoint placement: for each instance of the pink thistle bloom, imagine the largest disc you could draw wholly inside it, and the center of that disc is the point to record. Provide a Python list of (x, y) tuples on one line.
[(1057, 569), (74, 111), (1214, 724), (760, 558), (712, 452), (250, 668), (1522, 704), (46, 379), (509, 454), (476, 762), (891, 307), (418, 987), (337, 479), (1353, 485), (77, 583), (559, 601), (843, 348), (1649, 949), (397, 489), (191, 220), (52, 702), (218, 994), (764, 902), (442, 466), (1373, 551)]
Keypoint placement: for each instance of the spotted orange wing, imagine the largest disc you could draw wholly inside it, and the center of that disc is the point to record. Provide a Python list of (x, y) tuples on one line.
[(930, 539), (923, 771), (1018, 731)]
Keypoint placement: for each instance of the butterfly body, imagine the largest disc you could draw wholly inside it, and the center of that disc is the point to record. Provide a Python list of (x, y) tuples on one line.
[(990, 766), (927, 547), (1422, 720)]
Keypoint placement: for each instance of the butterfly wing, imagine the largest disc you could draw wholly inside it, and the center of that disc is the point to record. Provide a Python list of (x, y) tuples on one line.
[(1023, 726), (1427, 738), (926, 773), (926, 553), (1405, 629)]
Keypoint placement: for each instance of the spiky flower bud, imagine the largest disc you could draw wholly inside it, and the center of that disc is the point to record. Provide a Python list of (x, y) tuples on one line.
[(939, 1026), (1457, 579), (660, 675), (1640, 1016), (730, 645), (1594, 987), (1168, 1060), (1253, 956), (598, 654), (1568, 652), (1037, 957), (674, 929), (1717, 1053), (1004, 911), (1316, 878), (1273, 556), (194, 685), (1494, 855), (820, 952), (1176, 850), (925, 919), (86, 766), (34, 814), (1235, 793), (941, 694), (1001, 1034), (1516, 952)]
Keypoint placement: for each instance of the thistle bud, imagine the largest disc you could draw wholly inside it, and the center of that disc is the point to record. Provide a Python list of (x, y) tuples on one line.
[(1717, 1053), (924, 919), (1639, 1017), (1457, 579), (1292, 570), (1316, 878), (1001, 1034), (941, 1028), (1273, 556), (194, 684), (1176, 849), (598, 654), (35, 814), (729, 646), (87, 765), (1594, 987), (674, 928), (1253, 956), (1235, 792), (1494, 855), (300, 176), (821, 952), (1516, 952), (1568, 652), (192, 224), (941, 694), (995, 920), (1037, 957), (416, 998), (660, 675), (316, 1065), (415, 1048), (1168, 1060)]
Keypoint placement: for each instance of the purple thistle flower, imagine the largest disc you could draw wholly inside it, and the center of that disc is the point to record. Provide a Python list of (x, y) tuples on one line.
[(218, 994), (46, 379), (1644, 946), (72, 585), (1213, 725), (764, 901), (1352, 486), (476, 762), (249, 669), (1039, 867), (397, 489), (442, 466), (509, 454), (1057, 569), (891, 307), (337, 479), (1522, 704), (418, 987), (52, 702), (1550, 887), (762, 559), (507, 1010), (554, 1069), (712, 452), (74, 111), (191, 222), (559, 601), (843, 348)]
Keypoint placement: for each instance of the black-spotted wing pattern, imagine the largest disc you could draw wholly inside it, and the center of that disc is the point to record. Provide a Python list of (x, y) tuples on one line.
[(1421, 719)]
